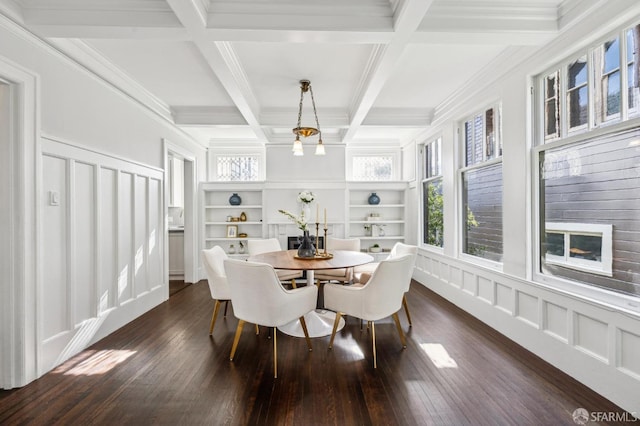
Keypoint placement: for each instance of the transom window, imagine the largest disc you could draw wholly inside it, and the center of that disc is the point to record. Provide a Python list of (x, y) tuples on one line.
[(569, 98), (372, 168), (237, 168)]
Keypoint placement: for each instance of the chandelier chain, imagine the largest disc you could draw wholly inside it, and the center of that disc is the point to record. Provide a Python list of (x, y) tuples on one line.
[(313, 103), (300, 108)]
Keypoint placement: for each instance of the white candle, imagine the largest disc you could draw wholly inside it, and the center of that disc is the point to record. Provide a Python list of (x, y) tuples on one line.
[(317, 213), (325, 217)]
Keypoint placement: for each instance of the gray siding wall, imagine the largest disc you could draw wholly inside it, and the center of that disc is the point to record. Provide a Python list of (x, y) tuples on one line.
[(599, 182)]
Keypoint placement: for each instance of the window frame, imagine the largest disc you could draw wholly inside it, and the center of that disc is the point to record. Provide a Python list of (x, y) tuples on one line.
[(214, 154), (567, 229), (629, 119), (463, 168), (374, 152), (427, 177)]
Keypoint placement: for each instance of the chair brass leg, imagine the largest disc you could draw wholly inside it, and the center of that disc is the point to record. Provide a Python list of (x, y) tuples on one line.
[(257, 330), (373, 338), (236, 339), (335, 328), (303, 323), (293, 283), (406, 309), (226, 305), (275, 355), (397, 321), (213, 317)]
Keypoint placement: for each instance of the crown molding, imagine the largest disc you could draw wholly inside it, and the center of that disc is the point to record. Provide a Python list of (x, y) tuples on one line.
[(207, 116), (399, 117)]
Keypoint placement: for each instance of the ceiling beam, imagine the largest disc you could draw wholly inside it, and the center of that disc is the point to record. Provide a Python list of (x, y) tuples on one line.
[(222, 60), (383, 60)]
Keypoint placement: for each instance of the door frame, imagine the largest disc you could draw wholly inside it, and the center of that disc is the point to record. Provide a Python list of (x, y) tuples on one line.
[(190, 211), (20, 283)]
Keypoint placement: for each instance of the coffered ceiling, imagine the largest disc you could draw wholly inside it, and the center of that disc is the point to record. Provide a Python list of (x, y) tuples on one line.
[(228, 71)]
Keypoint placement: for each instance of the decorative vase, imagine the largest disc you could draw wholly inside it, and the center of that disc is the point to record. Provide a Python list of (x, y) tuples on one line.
[(306, 248), (306, 210), (243, 217), (235, 200), (241, 249), (374, 199), (232, 249)]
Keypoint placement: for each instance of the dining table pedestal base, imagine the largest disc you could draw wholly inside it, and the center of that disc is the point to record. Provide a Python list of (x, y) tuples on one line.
[(319, 323)]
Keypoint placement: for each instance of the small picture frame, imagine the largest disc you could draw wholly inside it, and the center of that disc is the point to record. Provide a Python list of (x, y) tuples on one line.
[(232, 231)]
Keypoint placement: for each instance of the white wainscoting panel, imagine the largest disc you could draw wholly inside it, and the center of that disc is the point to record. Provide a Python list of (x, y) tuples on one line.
[(469, 283), (555, 321), (594, 343), (125, 242), (504, 298), (55, 279), (83, 217), (527, 308), (485, 290), (591, 336), (629, 353), (108, 243), (102, 247)]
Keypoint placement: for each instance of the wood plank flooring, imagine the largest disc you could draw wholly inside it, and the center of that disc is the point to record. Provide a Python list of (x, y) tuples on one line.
[(163, 368)]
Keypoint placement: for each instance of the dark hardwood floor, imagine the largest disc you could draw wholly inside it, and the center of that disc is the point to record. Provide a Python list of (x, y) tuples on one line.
[(163, 368)]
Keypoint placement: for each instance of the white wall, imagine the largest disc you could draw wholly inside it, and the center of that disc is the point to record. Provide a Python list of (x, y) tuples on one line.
[(593, 342), (283, 166), (100, 253)]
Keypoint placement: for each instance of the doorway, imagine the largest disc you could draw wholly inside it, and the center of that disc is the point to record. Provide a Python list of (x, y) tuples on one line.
[(180, 199)]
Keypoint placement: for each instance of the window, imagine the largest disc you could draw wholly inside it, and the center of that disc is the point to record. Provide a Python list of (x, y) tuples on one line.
[(432, 197), (578, 246), (372, 168), (481, 142), (482, 185), (610, 84), (614, 94), (589, 216), (577, 94), (589, 211), (632, 42), (237, 168), (552, 106)]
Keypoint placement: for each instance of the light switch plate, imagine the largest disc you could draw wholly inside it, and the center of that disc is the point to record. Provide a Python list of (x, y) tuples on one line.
[(54, 198)]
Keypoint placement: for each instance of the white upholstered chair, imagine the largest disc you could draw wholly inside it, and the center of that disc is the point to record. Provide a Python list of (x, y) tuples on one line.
[(363, 273), (258, 297), (266, 246), (379, 298), (213, 261), (344, 275)]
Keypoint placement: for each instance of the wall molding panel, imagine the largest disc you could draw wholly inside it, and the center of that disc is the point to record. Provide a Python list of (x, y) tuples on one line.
[(596, 344), (102, 247)]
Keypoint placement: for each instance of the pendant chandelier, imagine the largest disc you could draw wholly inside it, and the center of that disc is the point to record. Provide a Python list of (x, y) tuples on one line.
[(305, 86)]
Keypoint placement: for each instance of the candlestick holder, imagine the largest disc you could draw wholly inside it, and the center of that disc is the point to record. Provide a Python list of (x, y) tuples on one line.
[(317, 236), (325, 240)]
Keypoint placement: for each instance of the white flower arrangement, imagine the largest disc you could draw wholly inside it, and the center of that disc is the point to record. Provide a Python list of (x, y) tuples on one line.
[(306, 197), (300, 221)]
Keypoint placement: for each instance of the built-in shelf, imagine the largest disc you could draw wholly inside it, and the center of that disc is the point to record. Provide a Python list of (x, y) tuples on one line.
[(217, 211), (366, 221)]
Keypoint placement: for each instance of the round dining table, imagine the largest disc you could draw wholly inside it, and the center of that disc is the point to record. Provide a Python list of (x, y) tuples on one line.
[(320, 321)]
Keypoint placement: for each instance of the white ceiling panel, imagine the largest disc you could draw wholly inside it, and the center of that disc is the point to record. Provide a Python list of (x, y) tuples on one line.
[(174, 71)]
